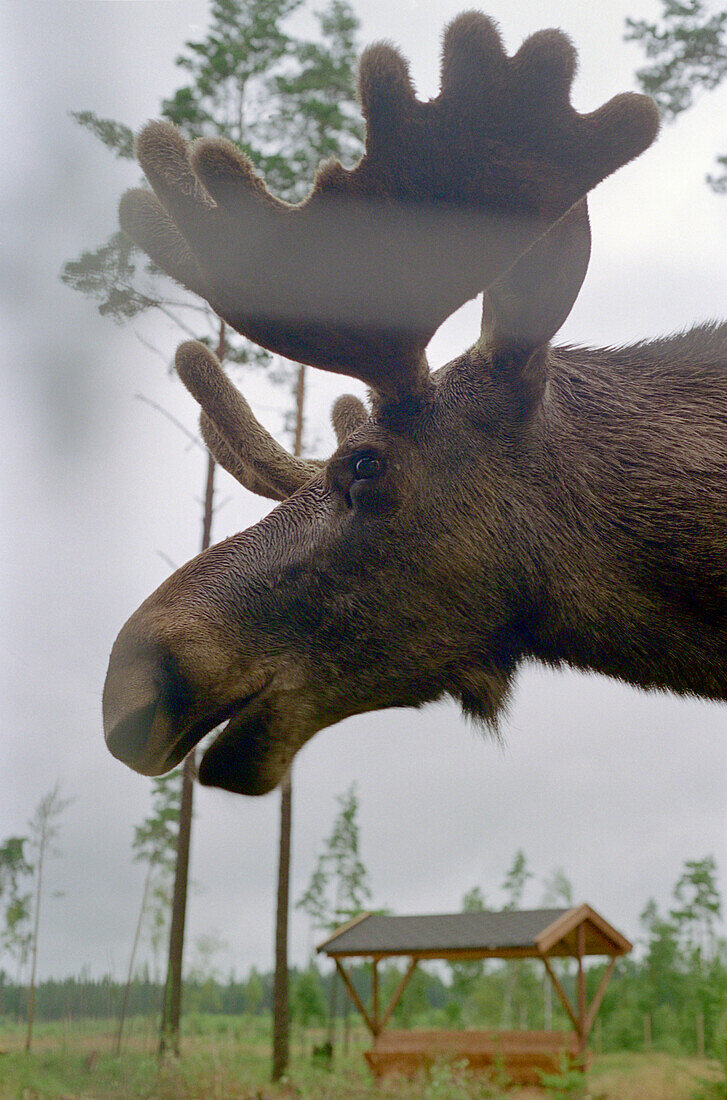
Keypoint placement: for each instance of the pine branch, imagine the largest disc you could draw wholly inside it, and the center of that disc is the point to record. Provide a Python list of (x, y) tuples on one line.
[(115, 135)]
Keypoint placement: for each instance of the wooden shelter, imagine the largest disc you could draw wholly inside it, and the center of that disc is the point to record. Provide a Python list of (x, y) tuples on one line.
[(511, 934)]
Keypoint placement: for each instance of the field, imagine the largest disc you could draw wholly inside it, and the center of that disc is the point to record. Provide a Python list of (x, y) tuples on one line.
[(228, 1059)]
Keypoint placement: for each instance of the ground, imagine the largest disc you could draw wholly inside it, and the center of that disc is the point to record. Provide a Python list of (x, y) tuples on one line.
[(228, 1059)]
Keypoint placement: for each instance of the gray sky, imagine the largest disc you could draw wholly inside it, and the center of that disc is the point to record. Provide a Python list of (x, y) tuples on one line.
[(617, 787)]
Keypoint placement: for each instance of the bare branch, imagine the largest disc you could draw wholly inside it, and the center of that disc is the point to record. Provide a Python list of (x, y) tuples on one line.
[(177, 423)]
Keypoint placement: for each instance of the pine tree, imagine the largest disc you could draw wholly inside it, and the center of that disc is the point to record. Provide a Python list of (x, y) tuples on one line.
[(288, 103), (15, 935), (516, 880), (698, 906), (155, 844), (514, 885), (44, 830), (687, 50), (338, 888)]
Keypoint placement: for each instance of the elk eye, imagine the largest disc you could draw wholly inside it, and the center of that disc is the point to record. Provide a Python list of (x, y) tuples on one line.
[(366, 467)]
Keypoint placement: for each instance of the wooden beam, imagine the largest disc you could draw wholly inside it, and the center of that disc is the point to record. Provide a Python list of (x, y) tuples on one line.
[(398, 992), (562, 995), (598, 996), (612, 942), (343, 928), (455, 955), (355, 997)]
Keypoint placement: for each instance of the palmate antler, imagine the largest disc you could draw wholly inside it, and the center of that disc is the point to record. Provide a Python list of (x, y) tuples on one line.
[(446, 198)]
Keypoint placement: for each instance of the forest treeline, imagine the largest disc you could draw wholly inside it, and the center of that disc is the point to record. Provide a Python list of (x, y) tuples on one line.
[(669, 995), (672, 996)]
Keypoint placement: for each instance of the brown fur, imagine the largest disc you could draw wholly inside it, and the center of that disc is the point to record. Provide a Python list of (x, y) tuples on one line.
[(524, 502), (589, 533)]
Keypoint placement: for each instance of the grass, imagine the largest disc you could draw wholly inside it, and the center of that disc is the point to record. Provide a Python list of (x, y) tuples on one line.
[(228, 1058)]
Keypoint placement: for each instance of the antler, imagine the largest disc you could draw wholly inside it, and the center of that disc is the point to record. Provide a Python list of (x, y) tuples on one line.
[(237, 440), (446, 197)]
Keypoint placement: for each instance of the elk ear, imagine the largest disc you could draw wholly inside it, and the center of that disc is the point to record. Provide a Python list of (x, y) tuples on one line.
[(524, 308), (347, 414)]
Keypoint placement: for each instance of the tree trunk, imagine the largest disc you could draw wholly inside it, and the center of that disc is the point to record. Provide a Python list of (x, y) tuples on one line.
[(172, 1004), (281, 1011), (172, 1007)]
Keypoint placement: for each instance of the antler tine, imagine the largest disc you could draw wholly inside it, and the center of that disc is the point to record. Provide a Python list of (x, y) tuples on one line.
[(228, 460), (446, 197), (249, 452), (143, 218), (347, 414)]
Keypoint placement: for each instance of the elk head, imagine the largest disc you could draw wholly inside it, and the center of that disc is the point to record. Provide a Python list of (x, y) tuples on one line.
[(407, 566)]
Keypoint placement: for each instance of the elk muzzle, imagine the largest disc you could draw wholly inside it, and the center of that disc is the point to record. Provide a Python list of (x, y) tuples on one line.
[(153, 717), (202, 651)]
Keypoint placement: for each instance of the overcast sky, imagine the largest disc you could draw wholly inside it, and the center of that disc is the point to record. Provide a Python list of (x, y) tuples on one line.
[(99, 492)]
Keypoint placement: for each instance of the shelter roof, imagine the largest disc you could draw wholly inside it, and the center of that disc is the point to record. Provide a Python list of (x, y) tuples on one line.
[(509, 933)]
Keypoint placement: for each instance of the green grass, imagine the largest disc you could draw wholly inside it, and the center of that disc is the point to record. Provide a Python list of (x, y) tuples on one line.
[(228, 1058)]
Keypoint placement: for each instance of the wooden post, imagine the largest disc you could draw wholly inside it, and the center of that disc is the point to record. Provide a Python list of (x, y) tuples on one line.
[(375, 996), (584, 1019), (582, 1034)]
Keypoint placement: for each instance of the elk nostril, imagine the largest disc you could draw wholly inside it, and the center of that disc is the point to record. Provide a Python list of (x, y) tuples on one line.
[(128, 739)]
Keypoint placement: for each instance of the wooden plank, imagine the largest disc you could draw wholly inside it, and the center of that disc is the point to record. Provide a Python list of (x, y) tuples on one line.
[(398, 992), (562, 995), (355, 997), (523, 1055), (375, 996)]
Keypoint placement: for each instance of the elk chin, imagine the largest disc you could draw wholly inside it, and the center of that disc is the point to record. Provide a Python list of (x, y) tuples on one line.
[(251, 755), (483, 694)]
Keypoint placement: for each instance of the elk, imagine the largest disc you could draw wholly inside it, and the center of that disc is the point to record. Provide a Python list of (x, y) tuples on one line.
[(523, 502)]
